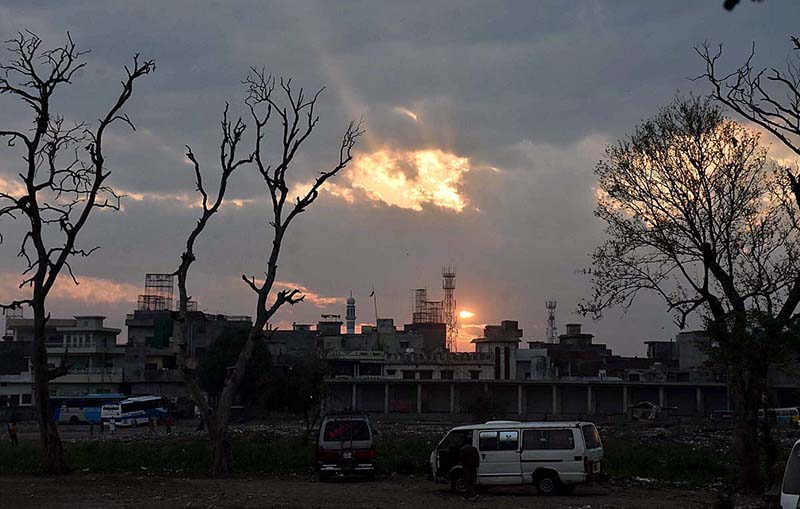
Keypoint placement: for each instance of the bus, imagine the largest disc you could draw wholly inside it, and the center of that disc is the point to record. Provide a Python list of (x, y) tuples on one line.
[(781, 416), (135, 410), (81, 408)]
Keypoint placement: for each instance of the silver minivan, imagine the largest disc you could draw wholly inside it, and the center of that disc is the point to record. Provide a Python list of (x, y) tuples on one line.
[(553, 456), (790, 489)]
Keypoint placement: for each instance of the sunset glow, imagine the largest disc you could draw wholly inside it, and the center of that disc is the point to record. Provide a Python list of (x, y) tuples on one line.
[(464, 314), (407, 179)]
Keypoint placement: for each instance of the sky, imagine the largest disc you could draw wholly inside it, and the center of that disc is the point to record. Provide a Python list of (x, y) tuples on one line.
[(484, 123)]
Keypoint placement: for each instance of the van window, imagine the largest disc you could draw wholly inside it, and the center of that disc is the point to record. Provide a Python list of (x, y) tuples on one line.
[(457, 439), (791, 478), (498, 441), (356, 430), (553, 439), (590, 436), (487, 441), (509, 441)]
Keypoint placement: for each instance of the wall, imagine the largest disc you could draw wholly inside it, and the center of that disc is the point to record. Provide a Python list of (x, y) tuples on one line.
[(524, 399)]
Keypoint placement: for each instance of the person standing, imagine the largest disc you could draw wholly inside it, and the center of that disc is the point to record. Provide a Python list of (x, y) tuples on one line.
[(112, 425), (12, 433), (168, 423), (470, 461)]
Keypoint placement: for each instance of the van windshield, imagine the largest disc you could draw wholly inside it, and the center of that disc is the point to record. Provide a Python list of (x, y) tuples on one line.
[(456, 439), (590, 436), (791, 478), (348, 430)]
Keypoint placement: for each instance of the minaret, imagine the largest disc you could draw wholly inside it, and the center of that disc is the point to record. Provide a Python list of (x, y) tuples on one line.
[(351, 314)]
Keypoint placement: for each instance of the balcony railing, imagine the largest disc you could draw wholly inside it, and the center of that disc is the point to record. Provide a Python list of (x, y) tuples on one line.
[(95, 371), (92, 375)]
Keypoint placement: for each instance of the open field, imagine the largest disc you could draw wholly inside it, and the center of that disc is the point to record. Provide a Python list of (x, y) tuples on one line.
[(647, 466), (130, 491), (686, 456)]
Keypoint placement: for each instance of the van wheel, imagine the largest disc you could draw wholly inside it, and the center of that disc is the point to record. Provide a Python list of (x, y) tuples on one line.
[(547, 483), (457, 483), (74, 420)]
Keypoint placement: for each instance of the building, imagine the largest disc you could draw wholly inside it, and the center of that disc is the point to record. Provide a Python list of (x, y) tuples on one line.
[(439, 366), (15, 373), (86, 346), (153, 354), (501, 342), (152, 336)]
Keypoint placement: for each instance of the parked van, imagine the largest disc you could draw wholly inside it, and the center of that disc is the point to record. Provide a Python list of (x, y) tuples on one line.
[(553, 456), (790, 488), (346, 446)]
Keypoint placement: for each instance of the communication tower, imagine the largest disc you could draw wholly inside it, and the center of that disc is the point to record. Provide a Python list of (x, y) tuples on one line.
[(552, 331), (450, 316)]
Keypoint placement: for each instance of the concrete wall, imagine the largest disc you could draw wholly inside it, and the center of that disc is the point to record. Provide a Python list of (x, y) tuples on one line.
[(526, 399), (608, 401)]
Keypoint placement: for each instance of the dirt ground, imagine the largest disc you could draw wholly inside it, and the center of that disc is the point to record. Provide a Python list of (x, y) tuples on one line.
[(112, 492)]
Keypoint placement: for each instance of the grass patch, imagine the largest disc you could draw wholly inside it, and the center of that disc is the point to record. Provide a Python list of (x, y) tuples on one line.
[(667, 462), (406, 455), (402, 455)]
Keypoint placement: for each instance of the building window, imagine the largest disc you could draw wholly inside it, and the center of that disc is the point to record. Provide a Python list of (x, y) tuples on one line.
[(497, 363), (475, 375), (370, 369), (507, 361), (408, 375), (446, 374), (391, 372), (404, 345), (26, 399), (426, 374)]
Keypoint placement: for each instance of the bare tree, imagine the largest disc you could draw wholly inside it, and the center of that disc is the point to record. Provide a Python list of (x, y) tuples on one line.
[(696, 213), (297, 117), (731, 4), (62, 180), (767, 97)]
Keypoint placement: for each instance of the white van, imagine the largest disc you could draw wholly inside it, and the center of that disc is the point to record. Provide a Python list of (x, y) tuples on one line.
[(553, 456), (790, 489)]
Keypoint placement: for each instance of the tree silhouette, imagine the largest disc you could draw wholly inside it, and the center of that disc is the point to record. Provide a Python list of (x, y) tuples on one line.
[(62, 180)]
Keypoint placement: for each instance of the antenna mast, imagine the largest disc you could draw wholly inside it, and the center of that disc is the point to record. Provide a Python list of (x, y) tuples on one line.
[(552, 331)]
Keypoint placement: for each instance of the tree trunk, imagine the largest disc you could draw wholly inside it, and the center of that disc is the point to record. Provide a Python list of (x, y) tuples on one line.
[(747, 390), (52, 448), (221, 453)]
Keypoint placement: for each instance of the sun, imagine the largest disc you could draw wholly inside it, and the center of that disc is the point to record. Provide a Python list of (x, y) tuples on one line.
[(466, 314)]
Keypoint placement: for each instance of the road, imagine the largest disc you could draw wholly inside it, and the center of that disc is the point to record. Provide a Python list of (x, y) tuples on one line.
[(156, 492)]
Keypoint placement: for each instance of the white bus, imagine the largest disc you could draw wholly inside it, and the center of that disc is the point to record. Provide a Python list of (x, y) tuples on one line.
[(134, 411), (81, 408)]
